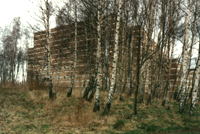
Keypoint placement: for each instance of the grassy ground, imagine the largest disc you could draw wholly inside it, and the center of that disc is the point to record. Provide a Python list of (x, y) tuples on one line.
[(30, 112)]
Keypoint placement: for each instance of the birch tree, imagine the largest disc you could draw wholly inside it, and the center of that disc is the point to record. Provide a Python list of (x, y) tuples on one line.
[(46, 13), (98, 56), (196, 84), (185, 65), (69, 92), (115, 60)]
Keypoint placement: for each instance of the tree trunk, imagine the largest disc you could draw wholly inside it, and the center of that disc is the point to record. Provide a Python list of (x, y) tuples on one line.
[(69, 92), (138, 69), (167, 86), (98, 58), (115, 60), (47, 14), (185, 66), (49, 73), (130, 61), (194, 95), (147, 88)]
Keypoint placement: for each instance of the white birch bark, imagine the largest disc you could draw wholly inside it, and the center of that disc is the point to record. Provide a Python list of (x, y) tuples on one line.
[(185, 66), (115, 59), (46, 19), (73, 77), (98, 55), (196, 84)]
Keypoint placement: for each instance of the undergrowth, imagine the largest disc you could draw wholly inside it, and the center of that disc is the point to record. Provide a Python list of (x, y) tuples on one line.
[(30, 112)]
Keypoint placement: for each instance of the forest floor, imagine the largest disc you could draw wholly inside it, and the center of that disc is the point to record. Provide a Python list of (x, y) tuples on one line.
[(30, 112)]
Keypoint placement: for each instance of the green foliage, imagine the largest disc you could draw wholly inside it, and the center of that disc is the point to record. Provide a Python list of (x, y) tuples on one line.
[(45, 127), (110, 132), (24, 128), (119, 124), (135, 132), (164, 131), (149, 127)]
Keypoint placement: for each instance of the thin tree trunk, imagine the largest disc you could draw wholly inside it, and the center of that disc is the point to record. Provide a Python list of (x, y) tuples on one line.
[(138, 69), (98, 65), (106, 64), (194, 93), (130, 61), (49, 73), (69, 92), (147, 88), (52, 94), (167, 86), (115, 60), (185, 65)]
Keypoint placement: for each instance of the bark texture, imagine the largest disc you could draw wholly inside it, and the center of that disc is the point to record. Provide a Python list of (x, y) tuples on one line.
[(115, 60), (185, 66), (98, 58)]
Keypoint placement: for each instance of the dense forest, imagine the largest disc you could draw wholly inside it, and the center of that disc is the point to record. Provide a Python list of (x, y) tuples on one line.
[(142, 68)]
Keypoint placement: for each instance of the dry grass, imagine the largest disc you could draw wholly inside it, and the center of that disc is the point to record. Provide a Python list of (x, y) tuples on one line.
[(31, 112)]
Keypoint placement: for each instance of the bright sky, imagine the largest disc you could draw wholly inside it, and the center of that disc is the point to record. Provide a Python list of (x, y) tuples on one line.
[(15, 8), (25, 9)]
